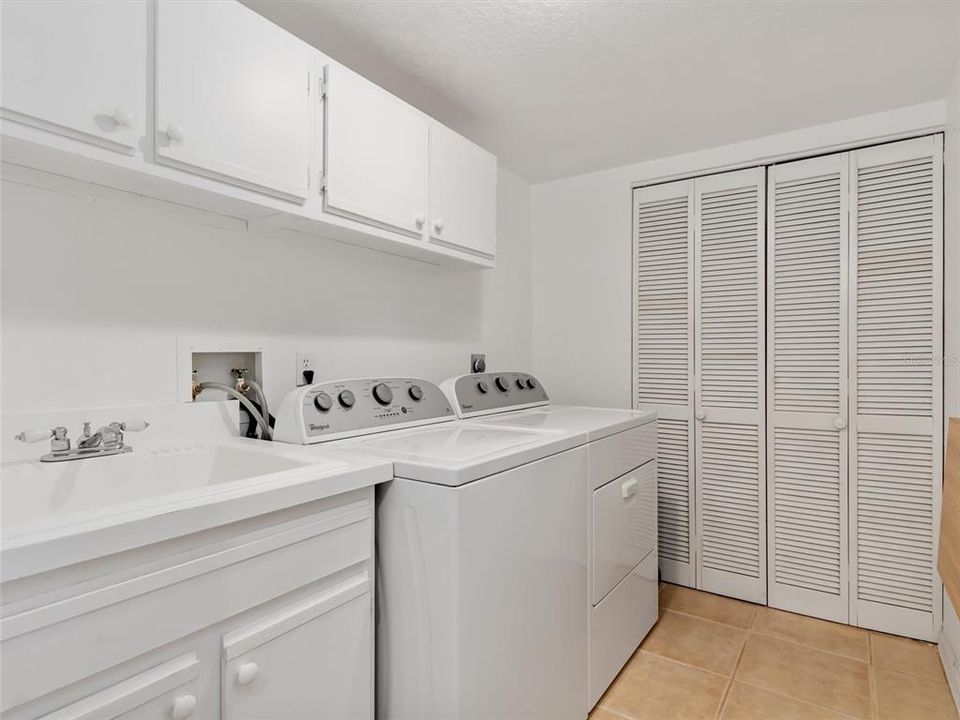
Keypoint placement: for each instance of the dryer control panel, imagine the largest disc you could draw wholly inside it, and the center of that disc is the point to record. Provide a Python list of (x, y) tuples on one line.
[(487, 393), (347, 408)]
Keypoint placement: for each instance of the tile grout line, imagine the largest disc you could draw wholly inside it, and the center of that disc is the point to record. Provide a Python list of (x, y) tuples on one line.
[(798, 700), (705, 619), (736, 666)]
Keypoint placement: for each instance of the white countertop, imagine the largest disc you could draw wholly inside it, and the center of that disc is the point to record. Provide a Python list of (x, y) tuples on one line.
[(58, 514)]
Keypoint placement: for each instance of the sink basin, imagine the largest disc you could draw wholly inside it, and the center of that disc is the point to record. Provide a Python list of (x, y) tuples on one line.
[(40, 494)]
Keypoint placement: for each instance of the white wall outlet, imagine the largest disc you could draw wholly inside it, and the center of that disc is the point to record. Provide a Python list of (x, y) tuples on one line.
[(306, 368)]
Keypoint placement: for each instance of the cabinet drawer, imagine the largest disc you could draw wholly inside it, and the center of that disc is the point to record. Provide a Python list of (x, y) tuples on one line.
[(308, 661), (614, 455), (164, 692), (624, 526)]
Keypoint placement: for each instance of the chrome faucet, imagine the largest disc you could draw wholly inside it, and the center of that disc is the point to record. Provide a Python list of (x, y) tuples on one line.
[(108, 440)]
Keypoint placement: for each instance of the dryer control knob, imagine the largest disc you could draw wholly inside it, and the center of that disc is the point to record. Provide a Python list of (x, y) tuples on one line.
[(416, 393), (346, 399), (483, 387), (323, 402), (521, 385), (502, 383), (531, 383), (382, 394)]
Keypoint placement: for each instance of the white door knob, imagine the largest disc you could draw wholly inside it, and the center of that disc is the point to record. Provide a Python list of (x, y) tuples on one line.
[(175, 132), (124, 117), (438, 225), (247, 672), (839, 423), (700, 414), (183, 707), (420, 220)]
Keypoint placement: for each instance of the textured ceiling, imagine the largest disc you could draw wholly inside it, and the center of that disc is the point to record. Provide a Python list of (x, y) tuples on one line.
[(558, 88)]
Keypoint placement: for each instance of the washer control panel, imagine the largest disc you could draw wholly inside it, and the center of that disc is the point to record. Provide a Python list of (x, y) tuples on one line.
[(347, 408), (486, 393)]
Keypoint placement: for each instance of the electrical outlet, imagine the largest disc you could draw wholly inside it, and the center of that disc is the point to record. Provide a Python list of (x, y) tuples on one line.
[(478, 363), (306, 368)]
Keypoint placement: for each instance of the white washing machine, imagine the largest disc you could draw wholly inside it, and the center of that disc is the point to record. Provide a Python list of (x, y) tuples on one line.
[(621, 487), (482, 551)]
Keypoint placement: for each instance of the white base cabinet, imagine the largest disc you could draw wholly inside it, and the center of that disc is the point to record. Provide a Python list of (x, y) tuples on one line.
[(271, 617)]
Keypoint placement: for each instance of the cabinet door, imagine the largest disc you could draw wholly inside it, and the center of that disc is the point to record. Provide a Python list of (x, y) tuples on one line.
[(896, 385), (375, 155), (663, 359), (807, 410), (309, 661), (463, 193), (233, 97), (76, 67), (161, 693), (730, 384)]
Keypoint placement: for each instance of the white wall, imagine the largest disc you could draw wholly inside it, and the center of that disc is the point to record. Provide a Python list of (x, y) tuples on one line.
[(582, 250), (95, 295), (950, 639)]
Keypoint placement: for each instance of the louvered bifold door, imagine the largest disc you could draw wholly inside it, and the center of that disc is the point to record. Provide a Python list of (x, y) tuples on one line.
[(730, 384), (896, 384), (663, 359), (807, 413)]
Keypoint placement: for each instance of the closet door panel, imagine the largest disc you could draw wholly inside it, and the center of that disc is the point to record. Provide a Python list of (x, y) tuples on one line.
[(896, 385), (663, 359), (807, 387), (729, 384)]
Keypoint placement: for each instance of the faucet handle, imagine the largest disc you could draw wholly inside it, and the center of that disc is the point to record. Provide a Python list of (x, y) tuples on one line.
[(32, 436), (134, 425)]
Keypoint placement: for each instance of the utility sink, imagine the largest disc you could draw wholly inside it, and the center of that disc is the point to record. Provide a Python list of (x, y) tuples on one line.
[(40, 494)]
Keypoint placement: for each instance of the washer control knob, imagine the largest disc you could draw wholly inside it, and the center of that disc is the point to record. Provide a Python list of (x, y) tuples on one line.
[(323, 402), (502, 383), (531, 383), (382, 394), (346, 398), (521, 385), (483, 387), (416, 393)]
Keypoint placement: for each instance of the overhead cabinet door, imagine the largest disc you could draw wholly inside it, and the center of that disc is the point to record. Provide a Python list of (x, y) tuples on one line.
[(463, 193), (375, 155), (76, 68), (807, 387), (234, 97), (896, 384), (663, 359), (730, 384)]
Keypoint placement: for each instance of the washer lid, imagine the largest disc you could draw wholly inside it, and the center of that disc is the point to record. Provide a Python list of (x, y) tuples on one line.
[(458, 453), (595, 422)]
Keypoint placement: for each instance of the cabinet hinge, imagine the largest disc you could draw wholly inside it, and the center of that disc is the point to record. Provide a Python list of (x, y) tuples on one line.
[(308, 177), (321, 88), (321, 181), (308, 82)]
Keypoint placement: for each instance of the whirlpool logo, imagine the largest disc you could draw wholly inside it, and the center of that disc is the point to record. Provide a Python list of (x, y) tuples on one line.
[(319, 427)]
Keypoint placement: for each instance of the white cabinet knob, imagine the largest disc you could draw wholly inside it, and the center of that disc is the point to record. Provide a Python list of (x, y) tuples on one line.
[(700, 414), (420, 220), (175, 132), (438, 225), (629, 488), (839, 423), (247, 672), (183, 707), (123, 116)]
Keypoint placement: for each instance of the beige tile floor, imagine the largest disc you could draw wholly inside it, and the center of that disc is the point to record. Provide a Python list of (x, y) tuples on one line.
[(714, 657)]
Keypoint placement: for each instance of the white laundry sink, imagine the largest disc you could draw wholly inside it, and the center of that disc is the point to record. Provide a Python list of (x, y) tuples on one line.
[(35, 492)]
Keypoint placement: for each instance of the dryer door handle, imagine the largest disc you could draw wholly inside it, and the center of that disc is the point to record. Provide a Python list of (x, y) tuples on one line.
[(629, 488)]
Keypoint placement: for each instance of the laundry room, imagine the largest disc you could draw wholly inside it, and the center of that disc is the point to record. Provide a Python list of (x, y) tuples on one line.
[(479, 359)]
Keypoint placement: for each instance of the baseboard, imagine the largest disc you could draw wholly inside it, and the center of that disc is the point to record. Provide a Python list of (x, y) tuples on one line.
[(951, 667)]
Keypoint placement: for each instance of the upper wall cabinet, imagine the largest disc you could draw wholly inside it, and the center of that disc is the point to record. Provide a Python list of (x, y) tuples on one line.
[(234, 97), (76, 68), (463, 193), (375, 155)]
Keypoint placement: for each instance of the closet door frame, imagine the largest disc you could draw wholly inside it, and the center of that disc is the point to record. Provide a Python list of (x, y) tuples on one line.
[(672, 571), (864, 613), (787, 596), (711, 579)]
